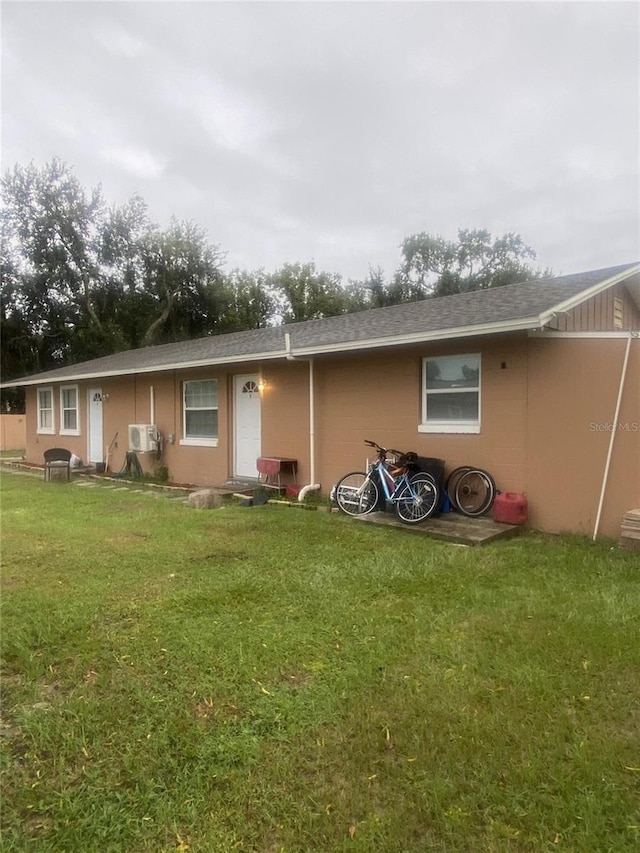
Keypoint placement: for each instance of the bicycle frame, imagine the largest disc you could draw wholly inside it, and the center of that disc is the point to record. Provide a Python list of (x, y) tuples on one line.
[(413, 494), (387, 480), (394, 488)]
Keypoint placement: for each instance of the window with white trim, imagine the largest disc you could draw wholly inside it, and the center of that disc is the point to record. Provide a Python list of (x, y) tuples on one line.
[(45, 412), (200, 412), (451, 394), (69, 414)]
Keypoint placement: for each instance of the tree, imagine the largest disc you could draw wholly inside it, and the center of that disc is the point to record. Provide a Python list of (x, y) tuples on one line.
[(434, 266), (81, 279), (17, 344), (251, 302), (57, 228), (305, 293), (376, 289), (87, 280), (181, 277)]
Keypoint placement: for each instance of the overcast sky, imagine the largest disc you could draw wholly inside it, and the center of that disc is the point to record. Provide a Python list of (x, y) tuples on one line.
[(295, 131)]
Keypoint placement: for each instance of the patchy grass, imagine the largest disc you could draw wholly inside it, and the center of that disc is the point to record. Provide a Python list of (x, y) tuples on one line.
[(274, 680)]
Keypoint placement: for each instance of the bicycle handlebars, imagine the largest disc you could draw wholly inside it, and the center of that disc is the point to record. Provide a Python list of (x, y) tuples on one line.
[(383, 450)]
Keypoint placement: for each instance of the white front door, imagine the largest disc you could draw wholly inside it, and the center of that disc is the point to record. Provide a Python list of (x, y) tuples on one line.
[(96, 442), (246, 396)]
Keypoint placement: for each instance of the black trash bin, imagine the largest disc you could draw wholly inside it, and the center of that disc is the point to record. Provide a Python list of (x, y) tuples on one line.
[(435, 467)]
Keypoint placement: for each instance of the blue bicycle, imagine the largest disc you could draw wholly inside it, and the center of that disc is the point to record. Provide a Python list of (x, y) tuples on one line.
[(414, 494)]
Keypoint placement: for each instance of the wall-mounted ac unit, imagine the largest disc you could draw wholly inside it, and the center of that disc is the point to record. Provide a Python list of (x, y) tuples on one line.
[(143, 437)]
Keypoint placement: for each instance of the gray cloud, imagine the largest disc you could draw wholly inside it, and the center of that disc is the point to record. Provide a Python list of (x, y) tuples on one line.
[(330, 131)]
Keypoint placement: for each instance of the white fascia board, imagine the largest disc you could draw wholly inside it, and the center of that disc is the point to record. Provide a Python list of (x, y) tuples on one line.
[(158, 368), (549, 334), (578, 299), (420, 337)]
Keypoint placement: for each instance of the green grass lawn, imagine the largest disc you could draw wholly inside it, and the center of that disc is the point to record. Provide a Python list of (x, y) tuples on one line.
[(275, 680)]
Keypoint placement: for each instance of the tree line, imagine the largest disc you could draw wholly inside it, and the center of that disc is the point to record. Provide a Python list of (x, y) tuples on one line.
[(82, 278)]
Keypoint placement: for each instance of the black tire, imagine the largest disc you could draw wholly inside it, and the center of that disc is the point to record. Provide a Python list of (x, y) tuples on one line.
[(419, 499), (475, 492), (452, 482), (352, 498)]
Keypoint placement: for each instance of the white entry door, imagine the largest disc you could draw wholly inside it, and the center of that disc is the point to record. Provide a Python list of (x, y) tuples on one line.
[(247, 425), (96, 441)]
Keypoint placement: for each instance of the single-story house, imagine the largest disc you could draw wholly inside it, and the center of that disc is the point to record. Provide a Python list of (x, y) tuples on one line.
[(538, 383)]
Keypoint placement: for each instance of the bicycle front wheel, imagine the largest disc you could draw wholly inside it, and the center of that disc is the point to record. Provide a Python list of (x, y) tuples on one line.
[(418, 500), (356, 494), (475, 492)]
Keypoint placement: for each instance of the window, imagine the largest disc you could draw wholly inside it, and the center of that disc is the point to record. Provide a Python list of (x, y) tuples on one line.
[(200, 413), (69, 418), (451, 394), (45, 411)]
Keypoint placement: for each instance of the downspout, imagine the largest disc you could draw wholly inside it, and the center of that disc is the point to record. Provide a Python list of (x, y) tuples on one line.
[(152, 405), (152, 418), (613, 435), (312, 486)]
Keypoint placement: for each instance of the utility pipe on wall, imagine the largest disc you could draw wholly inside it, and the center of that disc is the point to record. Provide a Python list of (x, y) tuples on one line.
[(312, 486), (614, 424)]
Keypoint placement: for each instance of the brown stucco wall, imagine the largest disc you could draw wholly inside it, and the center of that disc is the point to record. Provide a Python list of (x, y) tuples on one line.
[(379, 398), (37, 444), (573, 388), (545, 407), (131, 403), (539, 400), (285, 413)]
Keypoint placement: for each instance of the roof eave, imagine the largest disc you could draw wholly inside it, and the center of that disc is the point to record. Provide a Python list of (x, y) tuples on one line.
[(525, 324), (133, 371), (454, 333)]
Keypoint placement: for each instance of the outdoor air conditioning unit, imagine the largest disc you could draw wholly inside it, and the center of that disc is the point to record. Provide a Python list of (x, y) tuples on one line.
[(143, 437)]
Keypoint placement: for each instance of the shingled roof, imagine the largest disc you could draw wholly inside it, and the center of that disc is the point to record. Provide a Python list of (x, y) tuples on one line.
[(529, 305)]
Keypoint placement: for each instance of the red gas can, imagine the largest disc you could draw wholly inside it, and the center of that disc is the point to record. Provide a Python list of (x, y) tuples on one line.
[(510, 508)]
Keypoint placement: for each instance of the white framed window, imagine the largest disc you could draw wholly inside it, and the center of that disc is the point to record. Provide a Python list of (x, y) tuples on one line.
[(451, 394), (200, 413), (69, 414), (45, 412)]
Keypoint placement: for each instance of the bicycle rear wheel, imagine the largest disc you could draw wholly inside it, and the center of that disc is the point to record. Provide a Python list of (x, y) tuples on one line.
[(356, 494), (475, 492), (418, 499), (452, 482)]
